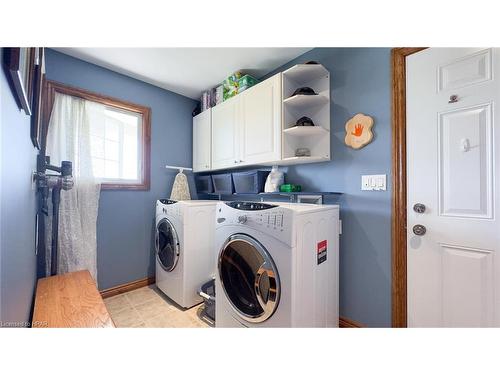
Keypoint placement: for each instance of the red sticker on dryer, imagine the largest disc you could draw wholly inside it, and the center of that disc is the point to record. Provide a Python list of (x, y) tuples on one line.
[(321, 249)]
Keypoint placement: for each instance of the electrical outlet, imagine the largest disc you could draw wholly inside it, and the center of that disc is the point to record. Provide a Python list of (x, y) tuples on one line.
[(374, 182)]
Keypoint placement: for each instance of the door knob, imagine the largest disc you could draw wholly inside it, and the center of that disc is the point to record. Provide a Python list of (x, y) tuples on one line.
[(419, 208), (419, 230)]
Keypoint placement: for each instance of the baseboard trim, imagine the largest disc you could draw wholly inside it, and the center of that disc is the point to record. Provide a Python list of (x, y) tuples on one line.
[(348, 323), (123, 288)]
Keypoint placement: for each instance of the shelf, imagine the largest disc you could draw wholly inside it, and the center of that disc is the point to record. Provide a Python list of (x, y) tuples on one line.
[(301, 101), (317, 197), (302, 73), (302, 131), (302, 160), (279, 193)]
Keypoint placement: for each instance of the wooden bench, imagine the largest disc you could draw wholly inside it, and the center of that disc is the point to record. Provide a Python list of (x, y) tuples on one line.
[(70, 300)]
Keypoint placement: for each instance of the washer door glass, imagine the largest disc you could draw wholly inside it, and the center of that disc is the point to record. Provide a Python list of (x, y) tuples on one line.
[(167, 245), (249, 278)]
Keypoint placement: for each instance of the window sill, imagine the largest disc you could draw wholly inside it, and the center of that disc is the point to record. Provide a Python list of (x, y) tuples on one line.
[(118, 186)]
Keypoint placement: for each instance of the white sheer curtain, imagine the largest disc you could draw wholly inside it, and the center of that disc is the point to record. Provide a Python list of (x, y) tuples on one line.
[(68, 138)]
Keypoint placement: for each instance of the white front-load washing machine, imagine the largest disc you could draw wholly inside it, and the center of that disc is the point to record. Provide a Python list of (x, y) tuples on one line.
[(277, 265), (184, 246)]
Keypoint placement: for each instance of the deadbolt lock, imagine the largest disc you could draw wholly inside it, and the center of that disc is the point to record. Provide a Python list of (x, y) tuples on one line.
[(419, 208), (419, 230)]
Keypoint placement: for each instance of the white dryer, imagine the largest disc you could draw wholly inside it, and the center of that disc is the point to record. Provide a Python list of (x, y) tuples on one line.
[(184, 246), (277, 265)]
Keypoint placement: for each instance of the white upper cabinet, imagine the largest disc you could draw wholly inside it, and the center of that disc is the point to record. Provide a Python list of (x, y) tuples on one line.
[(226, 134), (257, 126), (261, 122), (202, 141)]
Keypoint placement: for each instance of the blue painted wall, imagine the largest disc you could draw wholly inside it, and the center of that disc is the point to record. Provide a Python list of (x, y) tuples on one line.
[(360, 82), (125, 235), (17, 209)]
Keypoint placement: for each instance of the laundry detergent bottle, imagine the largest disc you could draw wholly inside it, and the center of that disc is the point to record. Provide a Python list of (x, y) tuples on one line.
[(274, 180)]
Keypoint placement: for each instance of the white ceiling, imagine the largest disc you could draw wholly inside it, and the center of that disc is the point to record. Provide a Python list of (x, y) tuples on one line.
[(187, 71)]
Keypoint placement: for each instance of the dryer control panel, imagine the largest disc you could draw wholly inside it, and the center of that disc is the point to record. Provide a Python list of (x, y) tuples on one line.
[(274, 220), (168, 208)]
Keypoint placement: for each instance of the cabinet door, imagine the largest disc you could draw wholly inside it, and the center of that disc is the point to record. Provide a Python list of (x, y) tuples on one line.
[(225, 134), (202, 141), (261, 122)]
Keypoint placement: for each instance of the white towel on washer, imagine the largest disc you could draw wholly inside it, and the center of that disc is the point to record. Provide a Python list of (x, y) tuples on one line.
[(180, 188)]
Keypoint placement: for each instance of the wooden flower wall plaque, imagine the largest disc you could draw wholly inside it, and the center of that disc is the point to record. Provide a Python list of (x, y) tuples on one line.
[(358, 131)]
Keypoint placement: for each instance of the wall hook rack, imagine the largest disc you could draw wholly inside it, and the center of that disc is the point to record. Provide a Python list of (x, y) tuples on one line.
[(181, 169)]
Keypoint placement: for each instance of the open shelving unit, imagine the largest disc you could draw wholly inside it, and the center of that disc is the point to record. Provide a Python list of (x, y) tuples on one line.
[(317, 107), (302, 131), (304, 102)]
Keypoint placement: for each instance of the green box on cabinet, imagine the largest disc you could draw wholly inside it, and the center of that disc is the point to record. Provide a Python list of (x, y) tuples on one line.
[(246, 82)]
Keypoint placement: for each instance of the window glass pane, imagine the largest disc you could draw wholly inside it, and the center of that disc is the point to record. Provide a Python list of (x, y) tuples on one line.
[(113, 129), (98, 167), (96, 146), (130, 151), (111, 169), (116, 146), (111, 151)]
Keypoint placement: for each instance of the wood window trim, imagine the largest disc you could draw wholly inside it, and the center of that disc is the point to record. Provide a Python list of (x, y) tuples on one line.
[(399, 261), (53, 87)]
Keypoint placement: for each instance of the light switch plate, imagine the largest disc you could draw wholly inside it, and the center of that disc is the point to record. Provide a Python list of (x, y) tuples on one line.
[(374, 182)]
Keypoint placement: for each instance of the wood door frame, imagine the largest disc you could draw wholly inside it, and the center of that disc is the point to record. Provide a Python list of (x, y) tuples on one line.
[(399, 261)]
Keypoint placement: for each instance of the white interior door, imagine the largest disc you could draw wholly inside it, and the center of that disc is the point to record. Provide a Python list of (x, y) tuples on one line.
[(452, 166), (225, 134), (261, 122), (202, 141)]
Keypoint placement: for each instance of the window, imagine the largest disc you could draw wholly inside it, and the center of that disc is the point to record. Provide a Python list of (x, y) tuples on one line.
[(115, 147), (120, 147)]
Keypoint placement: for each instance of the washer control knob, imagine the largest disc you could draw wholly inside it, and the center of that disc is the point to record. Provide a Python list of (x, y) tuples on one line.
[(242, 219)]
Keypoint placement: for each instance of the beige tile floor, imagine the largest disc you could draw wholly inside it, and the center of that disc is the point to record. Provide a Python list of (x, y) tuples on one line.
[(148, 307)]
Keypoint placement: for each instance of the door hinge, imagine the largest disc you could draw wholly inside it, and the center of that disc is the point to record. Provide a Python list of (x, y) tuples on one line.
[(340, 227)]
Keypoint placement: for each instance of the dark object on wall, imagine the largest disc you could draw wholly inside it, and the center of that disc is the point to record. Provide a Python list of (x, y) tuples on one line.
[(312, 62), (204, 184), (304, 91), (249, 182), (36, 117), (196, 110), (304, 121), (223, 183), (56, 183), (20, 63)]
